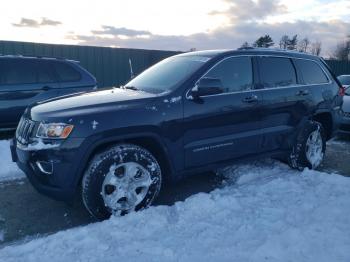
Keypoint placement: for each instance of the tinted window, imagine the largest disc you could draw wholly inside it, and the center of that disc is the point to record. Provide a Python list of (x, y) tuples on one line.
[(43, 73), (18, 71), (312, 72), (276, 72), (66, 73), (235, 74)]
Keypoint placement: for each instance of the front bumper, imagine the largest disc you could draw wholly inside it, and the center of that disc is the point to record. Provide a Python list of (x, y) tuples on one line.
[(61, 181)]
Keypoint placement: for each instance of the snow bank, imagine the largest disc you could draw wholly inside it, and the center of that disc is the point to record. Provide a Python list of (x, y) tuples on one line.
[(264, 212), (8, 169)]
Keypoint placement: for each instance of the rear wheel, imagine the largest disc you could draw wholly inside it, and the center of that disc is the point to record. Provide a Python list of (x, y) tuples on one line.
[(309, 148), (120, 180)]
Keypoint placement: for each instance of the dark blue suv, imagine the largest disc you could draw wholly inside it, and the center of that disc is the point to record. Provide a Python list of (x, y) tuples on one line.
[(189, 113), (27, 80)]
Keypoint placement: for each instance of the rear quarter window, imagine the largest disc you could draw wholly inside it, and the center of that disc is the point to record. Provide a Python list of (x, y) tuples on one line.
[(66, 72), (311, 71), (277, 72)]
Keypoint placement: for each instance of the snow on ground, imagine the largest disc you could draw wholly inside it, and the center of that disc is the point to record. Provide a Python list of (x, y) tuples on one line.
[(8, 169), (263, 212)]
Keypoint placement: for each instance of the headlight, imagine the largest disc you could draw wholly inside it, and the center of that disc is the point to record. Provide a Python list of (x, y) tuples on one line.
[(54, 130)]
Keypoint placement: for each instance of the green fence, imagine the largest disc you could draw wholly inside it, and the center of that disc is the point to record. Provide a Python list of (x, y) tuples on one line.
[(110, 66), (339, 67)]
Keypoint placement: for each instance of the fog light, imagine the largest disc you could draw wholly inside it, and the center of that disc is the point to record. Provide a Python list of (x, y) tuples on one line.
[(45, 167)]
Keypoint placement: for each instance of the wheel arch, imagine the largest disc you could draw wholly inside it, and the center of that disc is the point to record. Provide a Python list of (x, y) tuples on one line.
[(149, 141), (326, 120)]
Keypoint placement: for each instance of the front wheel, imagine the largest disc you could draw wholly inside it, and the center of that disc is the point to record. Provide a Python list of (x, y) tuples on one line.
[(120, 180), (309, 148)]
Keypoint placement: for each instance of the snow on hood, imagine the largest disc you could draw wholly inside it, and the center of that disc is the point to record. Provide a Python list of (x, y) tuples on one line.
[(263, 212), (89, 101)]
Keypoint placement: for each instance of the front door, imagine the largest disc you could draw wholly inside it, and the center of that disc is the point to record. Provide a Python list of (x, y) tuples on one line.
[(224, 126)]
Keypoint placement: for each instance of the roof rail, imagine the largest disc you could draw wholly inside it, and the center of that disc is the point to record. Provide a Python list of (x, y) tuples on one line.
[(275, 49), (33, 56)]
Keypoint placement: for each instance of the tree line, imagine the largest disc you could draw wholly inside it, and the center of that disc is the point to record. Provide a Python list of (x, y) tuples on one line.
[(341, 52)]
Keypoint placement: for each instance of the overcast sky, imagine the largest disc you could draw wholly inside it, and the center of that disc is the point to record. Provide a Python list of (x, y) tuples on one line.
[(173, 24)]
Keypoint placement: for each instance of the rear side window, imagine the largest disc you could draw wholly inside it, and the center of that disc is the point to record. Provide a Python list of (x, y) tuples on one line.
[(44, 75), (66, 73), (17, 71), (235, 74), (277, 72), (311, 71)]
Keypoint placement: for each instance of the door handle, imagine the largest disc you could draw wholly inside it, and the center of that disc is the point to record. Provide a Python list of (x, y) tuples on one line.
[(250, 99), (302, 93), (46, 88)]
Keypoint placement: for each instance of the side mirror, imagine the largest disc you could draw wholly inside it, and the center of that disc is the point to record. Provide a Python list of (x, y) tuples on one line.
[(207, 86)]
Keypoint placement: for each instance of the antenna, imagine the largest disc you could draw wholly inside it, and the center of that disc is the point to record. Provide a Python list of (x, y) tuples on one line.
[(131, 70)]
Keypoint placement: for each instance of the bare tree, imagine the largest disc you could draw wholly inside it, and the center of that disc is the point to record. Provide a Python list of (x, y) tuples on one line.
[(316, 48), (245, 45), (304, 45), (284, 42), (289, 43), (342, 51), (293, 43)]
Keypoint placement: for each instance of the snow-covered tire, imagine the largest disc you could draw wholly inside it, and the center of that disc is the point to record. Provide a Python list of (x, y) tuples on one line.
[(309, 148), (125, 171)]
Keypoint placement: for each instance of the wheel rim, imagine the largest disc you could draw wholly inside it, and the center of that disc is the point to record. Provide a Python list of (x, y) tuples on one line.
[(125, 186), (314, 148)]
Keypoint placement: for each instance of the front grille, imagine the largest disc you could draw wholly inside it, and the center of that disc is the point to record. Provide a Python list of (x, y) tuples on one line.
[(24, 130), (346, 114)]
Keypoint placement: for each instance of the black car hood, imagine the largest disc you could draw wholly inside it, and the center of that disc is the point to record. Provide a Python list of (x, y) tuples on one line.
[(87, 103)]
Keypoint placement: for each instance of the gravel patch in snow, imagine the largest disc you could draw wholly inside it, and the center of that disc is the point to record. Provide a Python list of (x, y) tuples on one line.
[(8, 169), (263, 212)]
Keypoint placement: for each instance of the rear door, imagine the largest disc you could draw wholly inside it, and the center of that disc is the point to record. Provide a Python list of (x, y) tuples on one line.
[(317, 82), (286, 100), (224, 126), (24, 81)]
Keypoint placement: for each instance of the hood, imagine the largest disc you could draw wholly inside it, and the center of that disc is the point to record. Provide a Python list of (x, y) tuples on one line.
[(87, 103), (346, 103)]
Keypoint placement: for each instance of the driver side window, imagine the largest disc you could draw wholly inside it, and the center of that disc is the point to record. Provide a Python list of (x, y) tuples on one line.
[(235, 74)]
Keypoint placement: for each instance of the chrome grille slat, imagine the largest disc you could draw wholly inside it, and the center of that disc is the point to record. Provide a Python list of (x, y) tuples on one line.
[(24, 130)]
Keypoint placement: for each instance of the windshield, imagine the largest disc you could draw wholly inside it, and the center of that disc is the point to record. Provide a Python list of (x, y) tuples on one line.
[(165, 75)]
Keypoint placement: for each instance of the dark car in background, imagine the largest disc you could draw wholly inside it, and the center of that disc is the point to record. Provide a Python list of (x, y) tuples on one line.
[(190, 113), (345, 121), (27, 80)]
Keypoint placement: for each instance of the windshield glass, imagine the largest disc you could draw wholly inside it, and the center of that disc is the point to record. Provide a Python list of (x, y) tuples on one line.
[(165, 75)]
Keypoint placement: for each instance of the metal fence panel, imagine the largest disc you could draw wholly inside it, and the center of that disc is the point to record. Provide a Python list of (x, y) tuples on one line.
[(110, 66), (339, 67)]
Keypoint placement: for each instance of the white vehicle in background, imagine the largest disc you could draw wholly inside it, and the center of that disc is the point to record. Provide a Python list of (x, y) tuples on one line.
[(345, 121)]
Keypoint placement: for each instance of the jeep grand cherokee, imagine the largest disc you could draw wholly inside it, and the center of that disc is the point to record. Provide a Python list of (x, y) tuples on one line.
[(189, 113)]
